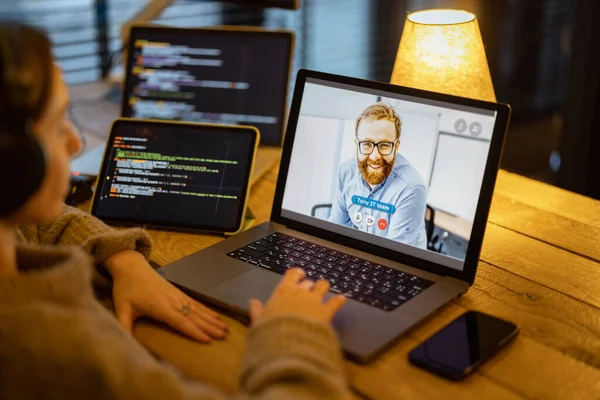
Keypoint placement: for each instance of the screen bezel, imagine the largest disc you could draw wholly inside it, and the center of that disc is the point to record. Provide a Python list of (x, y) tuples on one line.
[(148, 223), (467, 274), (220, 30)]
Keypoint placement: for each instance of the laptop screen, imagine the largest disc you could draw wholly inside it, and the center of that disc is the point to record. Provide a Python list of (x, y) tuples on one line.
[(209, 75), (400, 172)]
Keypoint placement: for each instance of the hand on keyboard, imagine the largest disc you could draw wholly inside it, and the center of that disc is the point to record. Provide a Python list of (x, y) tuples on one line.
[(361, 280), (298, 296)]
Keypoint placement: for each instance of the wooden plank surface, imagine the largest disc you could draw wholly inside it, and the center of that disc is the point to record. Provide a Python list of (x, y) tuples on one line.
[(522, 370), (545, 280), (540, 267), (548, 198), (545, 315), (562, 232), (560, 270)]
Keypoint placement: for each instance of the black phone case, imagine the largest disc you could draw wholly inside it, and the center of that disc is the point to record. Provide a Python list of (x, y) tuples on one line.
[(448, 372)]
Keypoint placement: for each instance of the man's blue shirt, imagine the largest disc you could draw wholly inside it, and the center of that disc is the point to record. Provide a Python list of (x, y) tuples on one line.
[(399, 201)]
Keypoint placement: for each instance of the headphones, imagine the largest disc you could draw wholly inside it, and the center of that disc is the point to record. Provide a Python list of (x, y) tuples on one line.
[(22, 159)]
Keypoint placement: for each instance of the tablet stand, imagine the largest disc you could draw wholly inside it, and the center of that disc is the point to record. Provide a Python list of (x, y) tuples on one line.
[(249, 220)]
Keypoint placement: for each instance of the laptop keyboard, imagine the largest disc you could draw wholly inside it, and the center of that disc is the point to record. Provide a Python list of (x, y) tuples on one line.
[(373, 284)]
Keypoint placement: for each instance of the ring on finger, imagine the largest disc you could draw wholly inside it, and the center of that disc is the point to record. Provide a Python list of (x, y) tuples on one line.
[(185, 308)]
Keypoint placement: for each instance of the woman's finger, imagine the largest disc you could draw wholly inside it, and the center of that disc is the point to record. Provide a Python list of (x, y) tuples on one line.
[(306, 284), (207, 327), (334, 304), (321, 287), (209, 318), (183, 324), (293, 276), (204, 308), (124, 313), (255, 309), (200, 308)]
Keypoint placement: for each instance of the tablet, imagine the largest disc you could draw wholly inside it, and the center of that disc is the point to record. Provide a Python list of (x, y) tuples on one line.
[(176, 175)]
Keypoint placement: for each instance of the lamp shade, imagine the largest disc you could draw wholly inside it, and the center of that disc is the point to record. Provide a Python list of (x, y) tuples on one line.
[(442, 51)]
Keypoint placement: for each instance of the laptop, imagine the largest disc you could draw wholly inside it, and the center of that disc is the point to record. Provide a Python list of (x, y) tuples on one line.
[(218, 75), (384, 191)]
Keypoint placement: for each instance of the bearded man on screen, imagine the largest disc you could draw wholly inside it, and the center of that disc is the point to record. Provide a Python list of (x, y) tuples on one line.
[(379, 191)]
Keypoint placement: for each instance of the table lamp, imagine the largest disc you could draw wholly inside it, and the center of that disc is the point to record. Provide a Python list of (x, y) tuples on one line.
[(442, 51)]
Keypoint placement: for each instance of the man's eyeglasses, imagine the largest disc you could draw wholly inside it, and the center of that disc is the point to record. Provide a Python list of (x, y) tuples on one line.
[(385, 148)]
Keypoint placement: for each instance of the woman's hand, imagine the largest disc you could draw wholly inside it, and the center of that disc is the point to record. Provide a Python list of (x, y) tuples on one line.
[(140, 291), (300, 297)]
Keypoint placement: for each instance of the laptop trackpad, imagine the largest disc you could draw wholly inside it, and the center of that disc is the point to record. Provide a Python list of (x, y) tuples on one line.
[(254, 284)]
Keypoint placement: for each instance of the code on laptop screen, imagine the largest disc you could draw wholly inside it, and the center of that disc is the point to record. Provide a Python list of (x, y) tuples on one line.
[(176, 175), (212, 76)]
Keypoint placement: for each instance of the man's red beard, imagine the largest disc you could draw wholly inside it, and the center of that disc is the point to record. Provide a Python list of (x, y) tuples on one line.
[(375, 177)]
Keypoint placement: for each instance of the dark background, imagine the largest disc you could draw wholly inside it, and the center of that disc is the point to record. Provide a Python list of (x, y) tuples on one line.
[(243, 56), (544, 57)]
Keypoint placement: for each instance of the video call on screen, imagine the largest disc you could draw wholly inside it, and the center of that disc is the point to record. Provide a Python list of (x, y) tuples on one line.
[(417, 193), (184, 176), (214, 77)]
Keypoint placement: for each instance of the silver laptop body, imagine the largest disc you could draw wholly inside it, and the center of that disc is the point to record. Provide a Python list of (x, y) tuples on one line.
[(228, 278)]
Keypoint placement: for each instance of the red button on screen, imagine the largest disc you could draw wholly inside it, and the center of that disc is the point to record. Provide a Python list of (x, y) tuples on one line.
[(382, 224)]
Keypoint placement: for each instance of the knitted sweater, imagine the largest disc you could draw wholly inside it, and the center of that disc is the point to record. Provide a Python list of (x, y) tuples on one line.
[(58, 342)]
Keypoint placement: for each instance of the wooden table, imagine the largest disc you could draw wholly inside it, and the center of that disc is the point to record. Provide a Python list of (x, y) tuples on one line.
[(540, 268)]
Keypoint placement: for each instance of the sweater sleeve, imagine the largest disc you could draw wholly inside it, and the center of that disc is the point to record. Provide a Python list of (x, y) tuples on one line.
[(291, 357), (75, 227), (59, 343), (100, 241), (287, 357)]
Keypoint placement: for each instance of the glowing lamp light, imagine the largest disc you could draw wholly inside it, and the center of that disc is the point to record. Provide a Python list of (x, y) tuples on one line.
[(442, 51)]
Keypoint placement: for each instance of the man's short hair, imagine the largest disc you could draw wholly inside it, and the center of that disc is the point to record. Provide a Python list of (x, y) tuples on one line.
[(379, 111)]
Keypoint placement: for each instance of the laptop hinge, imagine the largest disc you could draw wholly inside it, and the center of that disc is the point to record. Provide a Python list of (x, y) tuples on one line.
[(464, 284)]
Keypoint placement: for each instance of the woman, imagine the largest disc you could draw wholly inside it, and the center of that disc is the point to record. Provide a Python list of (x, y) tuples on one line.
[(56, 340)]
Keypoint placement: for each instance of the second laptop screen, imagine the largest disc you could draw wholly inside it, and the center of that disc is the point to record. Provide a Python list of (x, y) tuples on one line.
[(213, 76)]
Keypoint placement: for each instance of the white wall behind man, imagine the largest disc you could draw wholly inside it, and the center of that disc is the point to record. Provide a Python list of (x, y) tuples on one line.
[(313, 164)]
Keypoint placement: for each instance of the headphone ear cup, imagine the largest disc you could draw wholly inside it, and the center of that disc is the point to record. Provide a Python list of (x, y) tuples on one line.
[(22, 169)]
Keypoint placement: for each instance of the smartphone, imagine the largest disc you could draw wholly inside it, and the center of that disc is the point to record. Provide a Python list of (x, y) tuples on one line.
[(463, 345)]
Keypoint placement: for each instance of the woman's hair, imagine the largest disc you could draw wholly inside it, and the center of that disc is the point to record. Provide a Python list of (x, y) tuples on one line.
[(26, 71)]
